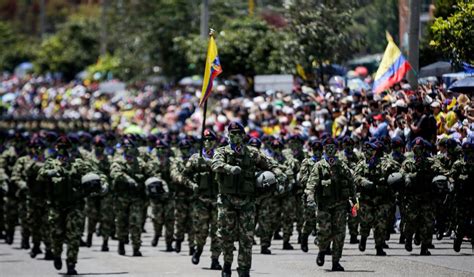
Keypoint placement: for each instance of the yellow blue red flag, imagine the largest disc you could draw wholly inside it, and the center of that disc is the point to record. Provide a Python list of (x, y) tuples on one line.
[(212, 70), (392, 69)]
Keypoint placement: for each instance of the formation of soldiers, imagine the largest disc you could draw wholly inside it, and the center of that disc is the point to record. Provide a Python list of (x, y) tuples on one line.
[(231, 189)]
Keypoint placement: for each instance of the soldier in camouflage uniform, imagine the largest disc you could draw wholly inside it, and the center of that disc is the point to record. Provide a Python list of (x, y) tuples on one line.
[(309, 214), (66, 202), (128, 173), (235, 166), (462, 173), (3, 183), (198, 170), (330, 185), (12, 204), (348, 156), (370, 179), (162, 209), (183, 198), (99, 208), (419, 173)]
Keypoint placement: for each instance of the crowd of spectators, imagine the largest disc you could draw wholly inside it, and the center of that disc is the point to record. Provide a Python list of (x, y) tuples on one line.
[(431, 111)]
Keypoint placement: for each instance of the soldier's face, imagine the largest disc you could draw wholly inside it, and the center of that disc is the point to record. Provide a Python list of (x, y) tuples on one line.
[(236, 138), (330, 150), (317, 152), (209, 144)]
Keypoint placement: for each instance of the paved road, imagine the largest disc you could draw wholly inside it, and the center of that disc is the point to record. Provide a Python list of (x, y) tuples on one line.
[(443, 262)]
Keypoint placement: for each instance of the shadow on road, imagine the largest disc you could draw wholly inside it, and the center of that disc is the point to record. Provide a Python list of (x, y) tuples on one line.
[(104, 273)]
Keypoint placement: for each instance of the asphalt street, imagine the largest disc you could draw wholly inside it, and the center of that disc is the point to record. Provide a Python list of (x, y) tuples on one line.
[(156, 262)]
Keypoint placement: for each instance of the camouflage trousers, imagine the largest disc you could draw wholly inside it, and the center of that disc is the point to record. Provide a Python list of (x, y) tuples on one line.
[(205, 224), (236, 217), (331, 226), (299, 212), (23, 216), (38, 222), (464, 218), (309, 219), (183, 219), (66, 227), (11, 212), (162, 215), (419, 219), (99, 209), (266, 219), (288, 209), (128, 212), (374, 216)]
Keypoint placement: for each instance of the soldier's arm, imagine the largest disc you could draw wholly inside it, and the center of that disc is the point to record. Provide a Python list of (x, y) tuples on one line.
[(313, 181), (303, 173), (117, 173), (218, 162), (18, 176)]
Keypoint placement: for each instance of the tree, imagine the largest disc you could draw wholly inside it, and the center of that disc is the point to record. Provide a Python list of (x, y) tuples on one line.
[(71, 49), (454, 36), (320, 29), (14, 48)]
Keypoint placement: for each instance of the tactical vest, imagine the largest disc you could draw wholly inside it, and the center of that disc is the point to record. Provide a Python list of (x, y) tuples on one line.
[(242, 184), (335, 192), (64, 193), (207, 183)]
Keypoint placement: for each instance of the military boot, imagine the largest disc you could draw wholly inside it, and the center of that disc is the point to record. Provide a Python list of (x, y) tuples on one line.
[(385, 245), (430, 245), (71, 269), (328, 250), (169, 247), (362, 243), (136, 252), (121, 248), (58, 263), (177, 246), (416, 240), (424, 250), (48, 255), (320, 258), (226, 271), (336, 266), (89, 240), (243, 273), (354, 239), (2, 235), (265, 251), (105, 245), (154, 241), (215, 265), (196, 255), (82, 243), (408, 244), (287, 245), (457, 244), (25, 243), (299, 238), (380, 251), (304, 243), (35, 250), (192, 250)]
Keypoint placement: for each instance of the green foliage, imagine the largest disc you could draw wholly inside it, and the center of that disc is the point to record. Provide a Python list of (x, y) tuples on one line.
[(454, 36), (14, 48), (70, 50), (106, 66), (246, 46), (320, 30)]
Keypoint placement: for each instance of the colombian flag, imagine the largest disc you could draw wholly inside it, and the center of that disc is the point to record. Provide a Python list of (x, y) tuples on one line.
[(212, 70), (392, 69)]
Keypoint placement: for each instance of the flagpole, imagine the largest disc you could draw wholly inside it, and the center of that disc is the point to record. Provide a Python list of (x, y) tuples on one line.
[(204, 110)]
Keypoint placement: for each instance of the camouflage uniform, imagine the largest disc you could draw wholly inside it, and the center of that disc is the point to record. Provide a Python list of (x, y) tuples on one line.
[(183, 200), (235, 166), (66, 203), (162, 210), (198, 169), (330, 185), (309, 214), (128, 174), (375, 194), (418, 172), (462, 173)]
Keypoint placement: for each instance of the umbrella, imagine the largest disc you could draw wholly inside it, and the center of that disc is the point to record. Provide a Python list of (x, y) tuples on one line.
[(22, 69), (436, 69), (191, 81), (112, 86), (361, 71), (465, 85)]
